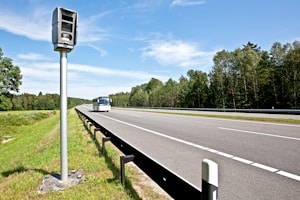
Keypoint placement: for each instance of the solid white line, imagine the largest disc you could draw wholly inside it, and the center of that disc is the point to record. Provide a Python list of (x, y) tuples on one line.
[(225, 155), (242, 160), (258, 133), (271, 169), (212, 150), (289, 175), (260, 122)]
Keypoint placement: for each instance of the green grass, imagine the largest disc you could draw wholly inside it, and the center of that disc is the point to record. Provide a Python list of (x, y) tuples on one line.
[(35, 152), (12, 123)]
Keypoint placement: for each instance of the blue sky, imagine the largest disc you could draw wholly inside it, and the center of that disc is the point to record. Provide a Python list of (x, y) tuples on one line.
[(124, 43)]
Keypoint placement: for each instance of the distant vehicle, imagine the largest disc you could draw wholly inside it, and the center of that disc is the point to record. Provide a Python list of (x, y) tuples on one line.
[(102, 104)]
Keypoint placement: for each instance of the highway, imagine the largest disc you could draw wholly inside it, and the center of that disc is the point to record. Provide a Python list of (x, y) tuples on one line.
[(257, 160)]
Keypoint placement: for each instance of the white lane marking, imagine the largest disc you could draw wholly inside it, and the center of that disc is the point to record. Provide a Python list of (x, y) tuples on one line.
[(289, 175), (258, 133), (249, 121), (212, 150), (242, 160), (258, 122), (225, 155), (271, 169)]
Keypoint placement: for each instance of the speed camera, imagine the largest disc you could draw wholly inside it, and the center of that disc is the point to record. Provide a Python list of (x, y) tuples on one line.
[(64, 29)]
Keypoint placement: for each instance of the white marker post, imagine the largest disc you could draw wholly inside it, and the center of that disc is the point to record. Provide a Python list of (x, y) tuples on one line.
[(64, 37), (209, 180)]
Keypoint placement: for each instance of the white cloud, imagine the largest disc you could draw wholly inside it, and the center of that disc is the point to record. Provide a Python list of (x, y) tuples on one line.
[(84, 81), (100, 50), (187, 2), (34, 87), (49, 70), (36, 25), (32, 56), (177, 53), (142, 6), (138, 75), (89, 30), (90, 91)]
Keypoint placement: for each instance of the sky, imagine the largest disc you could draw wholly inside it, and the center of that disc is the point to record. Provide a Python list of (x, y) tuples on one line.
[(125, 43)]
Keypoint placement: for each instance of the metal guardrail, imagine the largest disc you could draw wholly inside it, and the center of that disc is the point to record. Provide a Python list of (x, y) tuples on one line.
[(265, 111), (174, 185)]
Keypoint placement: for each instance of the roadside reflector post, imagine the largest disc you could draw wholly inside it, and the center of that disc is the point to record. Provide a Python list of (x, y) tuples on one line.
[(209, 180), (123, 161)]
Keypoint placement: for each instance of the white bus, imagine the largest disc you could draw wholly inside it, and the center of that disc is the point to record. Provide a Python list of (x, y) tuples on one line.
[(102, 104)]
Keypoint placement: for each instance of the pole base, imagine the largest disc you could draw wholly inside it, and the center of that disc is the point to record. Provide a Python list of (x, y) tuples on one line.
[(52, 182)]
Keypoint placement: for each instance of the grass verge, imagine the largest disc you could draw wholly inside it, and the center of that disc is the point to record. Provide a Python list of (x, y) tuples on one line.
[(35, 152)]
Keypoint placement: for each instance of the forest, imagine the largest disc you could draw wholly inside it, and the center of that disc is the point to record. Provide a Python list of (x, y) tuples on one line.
[(246, 78), (42, 102), (38, 102)]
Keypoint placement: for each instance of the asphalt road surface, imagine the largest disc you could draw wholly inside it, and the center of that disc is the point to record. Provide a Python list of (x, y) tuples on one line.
[(257, 160)]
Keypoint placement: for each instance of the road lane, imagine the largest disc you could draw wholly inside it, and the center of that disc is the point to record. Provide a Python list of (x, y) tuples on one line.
[(184, 156), (273, 152)]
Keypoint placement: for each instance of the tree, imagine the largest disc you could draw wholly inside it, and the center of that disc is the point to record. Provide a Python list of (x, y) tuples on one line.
[(292, 75), (5, 103), (153, 88), (183, 88), (120, 99), (267, 96), (10, 80), (198, 88), (139, 96), (170, 93)]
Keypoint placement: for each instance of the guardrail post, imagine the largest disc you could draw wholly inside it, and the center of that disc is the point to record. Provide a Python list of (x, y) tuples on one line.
[(86, 122), (123, 161), (209, 180), (104, 139), (95, 130)]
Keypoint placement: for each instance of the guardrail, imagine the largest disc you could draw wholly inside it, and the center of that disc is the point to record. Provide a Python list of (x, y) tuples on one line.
[(266, 111), (174, 185)]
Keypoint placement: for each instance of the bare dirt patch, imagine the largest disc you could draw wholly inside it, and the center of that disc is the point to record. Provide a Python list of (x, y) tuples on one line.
[(145, 186), (7, 139)]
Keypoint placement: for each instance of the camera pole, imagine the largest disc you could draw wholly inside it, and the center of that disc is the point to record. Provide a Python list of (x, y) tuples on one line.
[(63, 118), (64, 37)]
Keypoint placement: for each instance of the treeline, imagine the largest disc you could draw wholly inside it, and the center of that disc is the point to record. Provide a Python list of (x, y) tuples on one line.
[(11, 79), (247, 77), (40, 102)]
